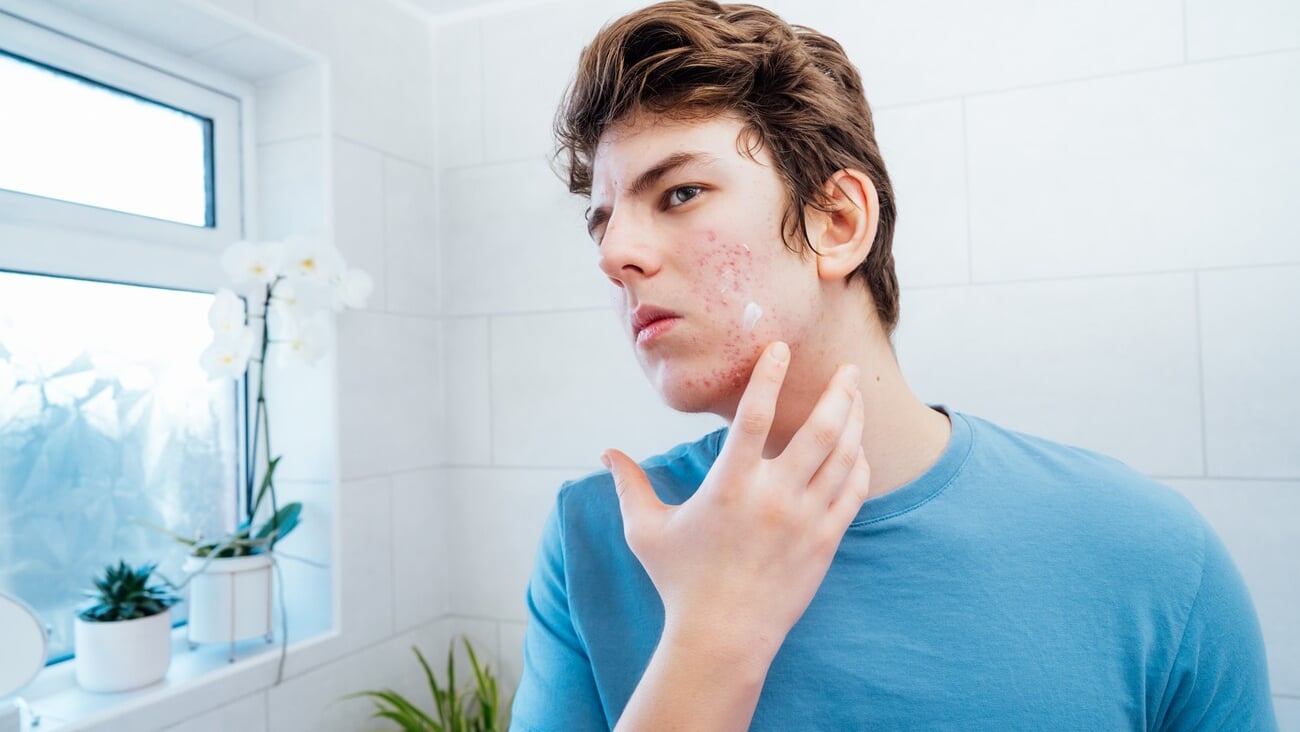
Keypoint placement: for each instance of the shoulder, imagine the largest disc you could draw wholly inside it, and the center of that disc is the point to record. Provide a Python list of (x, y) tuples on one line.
[(1089, 494)]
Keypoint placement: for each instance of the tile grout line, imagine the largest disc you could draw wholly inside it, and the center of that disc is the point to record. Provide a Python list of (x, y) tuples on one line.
[(392, 559), (383, 225), (1083, 79), (1104, 276), (492, 447), (1200, 371), (381, 151)]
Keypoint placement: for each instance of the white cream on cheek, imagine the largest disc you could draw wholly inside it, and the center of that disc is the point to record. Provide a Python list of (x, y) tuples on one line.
[(753, 313)]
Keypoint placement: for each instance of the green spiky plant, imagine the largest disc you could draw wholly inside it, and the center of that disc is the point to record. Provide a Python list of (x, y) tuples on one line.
[(124, 593), (450, 711)]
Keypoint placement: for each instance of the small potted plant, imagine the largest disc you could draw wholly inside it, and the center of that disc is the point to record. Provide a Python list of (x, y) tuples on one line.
[(123, 640)]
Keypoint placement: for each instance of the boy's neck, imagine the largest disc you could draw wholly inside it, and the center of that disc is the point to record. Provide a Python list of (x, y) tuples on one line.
[(902, 436)]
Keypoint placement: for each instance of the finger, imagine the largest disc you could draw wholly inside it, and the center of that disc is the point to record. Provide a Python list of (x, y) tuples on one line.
[(757, 408), (854, 493), (820, 433), (637, 501), (829, 478)]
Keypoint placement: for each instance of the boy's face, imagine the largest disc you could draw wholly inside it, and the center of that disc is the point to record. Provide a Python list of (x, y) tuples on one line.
[(690, 228)]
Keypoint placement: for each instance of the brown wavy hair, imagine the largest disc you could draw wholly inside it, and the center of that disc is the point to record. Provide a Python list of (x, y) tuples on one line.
[(795, 89)]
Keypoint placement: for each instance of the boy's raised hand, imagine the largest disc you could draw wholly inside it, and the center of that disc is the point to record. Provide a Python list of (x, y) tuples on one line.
[(737, 564)]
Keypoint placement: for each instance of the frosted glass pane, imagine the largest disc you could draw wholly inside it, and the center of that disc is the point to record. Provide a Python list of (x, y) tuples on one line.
[(64, 137), (105, 417)]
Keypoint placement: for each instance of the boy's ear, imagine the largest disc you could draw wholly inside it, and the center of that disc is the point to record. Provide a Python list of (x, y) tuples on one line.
[(843, 236)]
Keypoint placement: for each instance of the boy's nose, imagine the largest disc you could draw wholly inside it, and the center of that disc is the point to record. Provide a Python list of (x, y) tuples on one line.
[(627, 250)]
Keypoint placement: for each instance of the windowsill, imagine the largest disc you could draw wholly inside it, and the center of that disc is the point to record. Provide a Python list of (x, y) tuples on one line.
[(193, 675)]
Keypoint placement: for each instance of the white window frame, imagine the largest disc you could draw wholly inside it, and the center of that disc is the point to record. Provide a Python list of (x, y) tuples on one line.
[(226, 105)]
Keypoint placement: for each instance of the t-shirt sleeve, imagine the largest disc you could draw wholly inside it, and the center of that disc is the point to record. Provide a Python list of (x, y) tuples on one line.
[(1219, 678), (557, 690)]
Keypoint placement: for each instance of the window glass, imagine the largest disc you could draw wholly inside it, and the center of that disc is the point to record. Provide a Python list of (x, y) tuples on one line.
[(66, 137), (106, 420)]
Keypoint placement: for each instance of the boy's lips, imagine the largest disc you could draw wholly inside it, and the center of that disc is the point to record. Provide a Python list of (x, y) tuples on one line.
[(651, 321)]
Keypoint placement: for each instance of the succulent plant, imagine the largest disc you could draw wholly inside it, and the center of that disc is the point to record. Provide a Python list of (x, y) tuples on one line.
[(124, 593)]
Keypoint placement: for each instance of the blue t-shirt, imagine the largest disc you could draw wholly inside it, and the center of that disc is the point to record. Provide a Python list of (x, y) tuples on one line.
[(1018, 584)]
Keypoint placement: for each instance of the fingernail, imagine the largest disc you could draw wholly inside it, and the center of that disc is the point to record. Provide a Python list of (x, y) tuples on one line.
[(780, 352), (604, 459)]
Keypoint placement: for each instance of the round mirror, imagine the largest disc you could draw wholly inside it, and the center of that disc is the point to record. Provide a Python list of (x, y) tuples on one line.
[(22, 636)]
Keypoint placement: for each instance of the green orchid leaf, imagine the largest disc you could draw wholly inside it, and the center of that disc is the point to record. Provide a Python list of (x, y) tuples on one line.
[(281, 523), (266, 484)]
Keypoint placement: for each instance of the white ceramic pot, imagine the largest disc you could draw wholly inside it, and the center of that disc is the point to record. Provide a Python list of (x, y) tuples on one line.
[(122, 655), (230, 599)]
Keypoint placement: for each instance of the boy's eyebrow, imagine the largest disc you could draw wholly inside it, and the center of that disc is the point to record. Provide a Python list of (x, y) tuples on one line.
[(646, 180)]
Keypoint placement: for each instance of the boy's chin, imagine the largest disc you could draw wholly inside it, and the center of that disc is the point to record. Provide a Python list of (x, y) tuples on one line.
[(695, 398)]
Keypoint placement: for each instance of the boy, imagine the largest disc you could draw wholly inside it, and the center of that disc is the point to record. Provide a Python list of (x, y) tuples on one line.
[(843, 556)]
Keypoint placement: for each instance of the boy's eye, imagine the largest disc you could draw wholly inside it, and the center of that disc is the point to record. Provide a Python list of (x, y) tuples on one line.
[(682, 194)]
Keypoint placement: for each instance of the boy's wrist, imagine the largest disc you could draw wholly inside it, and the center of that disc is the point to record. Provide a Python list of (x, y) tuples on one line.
[(722, 644)]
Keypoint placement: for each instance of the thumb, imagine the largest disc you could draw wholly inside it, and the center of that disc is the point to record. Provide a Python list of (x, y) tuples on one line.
[(636, 497)]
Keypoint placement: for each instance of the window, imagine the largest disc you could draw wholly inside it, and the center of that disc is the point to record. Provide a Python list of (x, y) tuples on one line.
[(68, 138), (120, 183), (106, 420), (93, 141)]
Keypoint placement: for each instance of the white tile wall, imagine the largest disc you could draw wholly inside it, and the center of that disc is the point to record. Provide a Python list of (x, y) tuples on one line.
[(468, 396), (410, 244), (421, 550), (245, 715), (499, 514), (1188, 167), (291, 105), (924, 152), (1250, 344), (565, 386), (520, 98), (1288, 713), (390, 386), (290, 187), (381, 75), (1109, 364), (909, 52), (307, 446), (514, 240), (1221, 28), (512, 655), (1257, 522), (458, 65), (365, 558), (359, 213)]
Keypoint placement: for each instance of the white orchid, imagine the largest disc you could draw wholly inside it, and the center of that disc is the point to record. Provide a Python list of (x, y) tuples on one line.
[(253, 264), (300, 340), (226, 316), (312, 259), (351, 289), (300, 296), (228, 355)]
